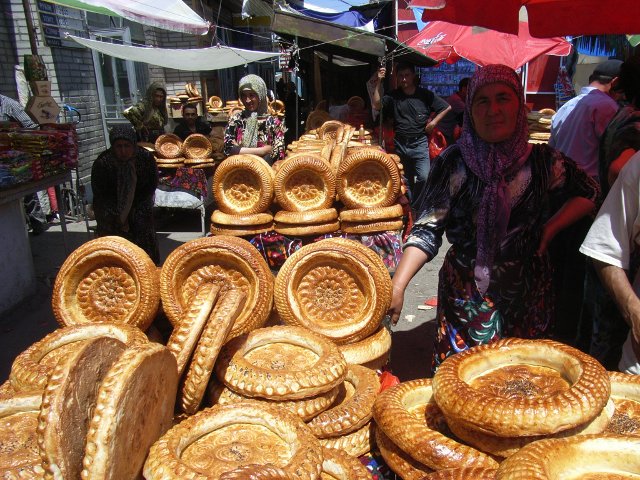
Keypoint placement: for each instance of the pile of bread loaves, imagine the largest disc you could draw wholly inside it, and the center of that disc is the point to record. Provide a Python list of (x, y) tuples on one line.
[(197, 151), (513, 409), (322, 171), (540, 125)]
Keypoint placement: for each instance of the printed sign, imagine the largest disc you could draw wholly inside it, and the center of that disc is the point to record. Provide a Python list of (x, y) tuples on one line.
[(56, 21)]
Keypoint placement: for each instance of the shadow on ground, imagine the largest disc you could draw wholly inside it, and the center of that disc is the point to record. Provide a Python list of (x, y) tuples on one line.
[(411, 351)]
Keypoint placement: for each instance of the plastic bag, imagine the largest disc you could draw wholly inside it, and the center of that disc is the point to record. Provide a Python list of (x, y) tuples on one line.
[(437, 143)]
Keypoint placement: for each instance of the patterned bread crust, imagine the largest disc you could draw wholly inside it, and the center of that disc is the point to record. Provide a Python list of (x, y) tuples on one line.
[(66, 402), (29, 373), (356, 443), (324, 215), (258, 472), (241, 231), (613, 457), (371, 227), (168, 145), (368, 178), (228, 261), (276, 383), (367, 349), (305, 183), (108, 279), (353, 412), (397, 460), (308, 229), (165, 460), (215, 332), (197, 145), (343, 466), (331, 129), (336, 287), (358, 215), (429, 447), (19, 454), (305, 408), (625, 386), (134, 408), (222, 218), (625, 393), (525, 415), (506, 446), (185, 335), (476, 473), (243, 184)]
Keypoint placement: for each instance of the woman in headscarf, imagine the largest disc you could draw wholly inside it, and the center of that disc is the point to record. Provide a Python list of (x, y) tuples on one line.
[(253, 130), (124, 179), (149, 116), (489, 193)]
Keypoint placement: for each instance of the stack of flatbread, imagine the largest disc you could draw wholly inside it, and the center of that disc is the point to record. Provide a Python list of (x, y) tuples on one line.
[(540, 125), (243, 189), (198, 151), (169, 151)]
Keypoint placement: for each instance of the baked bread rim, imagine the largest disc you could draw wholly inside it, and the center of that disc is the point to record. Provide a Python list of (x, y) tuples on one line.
[(241, 231), (213, 336), (340, 257), (305, 408), (539, 415), (258, 472), (349, 167), (356, 443), (324, 215), (371, 227), (225, 219), (67, 401), (165, 463), (168, 138), (182, 273), (343, 466), (241, 376), (197, 145), (399, 461), (352, 413), (308, 166), (331, 129), (358, 215), (476, 473), (581, 454), (307, 229), (137, 395), (412, 435), (27, 371), (73, 285), (504, 447), (625, 393), (369, 348), (254, 198), (22, 404)]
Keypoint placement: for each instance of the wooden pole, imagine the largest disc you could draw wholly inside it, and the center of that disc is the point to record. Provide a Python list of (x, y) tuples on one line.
[(30, 29)]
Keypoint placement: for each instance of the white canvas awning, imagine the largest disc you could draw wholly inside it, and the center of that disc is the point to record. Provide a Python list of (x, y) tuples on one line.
[(211, 58), (168, 14)]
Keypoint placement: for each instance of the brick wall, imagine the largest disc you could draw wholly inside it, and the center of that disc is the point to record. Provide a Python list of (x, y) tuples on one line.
[(7, 52)]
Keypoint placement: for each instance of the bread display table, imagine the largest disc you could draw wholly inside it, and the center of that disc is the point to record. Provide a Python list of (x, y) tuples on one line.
[(16, 267)]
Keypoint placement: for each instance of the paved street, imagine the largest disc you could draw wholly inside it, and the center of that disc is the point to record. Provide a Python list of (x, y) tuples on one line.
[(31, 320)]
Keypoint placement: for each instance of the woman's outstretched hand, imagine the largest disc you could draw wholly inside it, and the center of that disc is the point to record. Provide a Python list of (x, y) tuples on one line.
[(397, 300)]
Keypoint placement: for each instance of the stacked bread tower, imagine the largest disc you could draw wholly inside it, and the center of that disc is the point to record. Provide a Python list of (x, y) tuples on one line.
[(169, 152), (190, 94), (243, 189), (540, 125), (198, 151), (513, 409)]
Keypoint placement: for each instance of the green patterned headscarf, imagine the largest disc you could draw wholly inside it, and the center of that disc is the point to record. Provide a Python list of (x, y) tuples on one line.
[(256, 84)]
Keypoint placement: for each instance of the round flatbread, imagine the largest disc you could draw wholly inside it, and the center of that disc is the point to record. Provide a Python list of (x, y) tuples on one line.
[(305, 183), (281, 363), (241, 231), (307, 230), (108, 279), (243, 184), (392, 212), (368, 349), (221, 218), (368, 178), (223, 438), (336, 287), (362, 228), (226, 261), (400, 462), (135, 401), (311, 217), (197, 145), (168, 145)]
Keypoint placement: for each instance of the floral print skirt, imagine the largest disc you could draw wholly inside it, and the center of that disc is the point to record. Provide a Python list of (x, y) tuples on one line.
[(518, 303)]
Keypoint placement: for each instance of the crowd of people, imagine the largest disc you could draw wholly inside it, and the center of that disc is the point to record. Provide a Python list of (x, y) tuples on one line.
[(535, 230)]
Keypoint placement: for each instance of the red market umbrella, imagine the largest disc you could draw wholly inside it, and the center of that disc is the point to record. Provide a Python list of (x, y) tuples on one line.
[(447, 42), (547, 18)]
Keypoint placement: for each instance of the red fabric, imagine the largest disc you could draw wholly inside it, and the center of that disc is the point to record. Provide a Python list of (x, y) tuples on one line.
[(437, 143), (547, 18), (444, 41), (388, 380)]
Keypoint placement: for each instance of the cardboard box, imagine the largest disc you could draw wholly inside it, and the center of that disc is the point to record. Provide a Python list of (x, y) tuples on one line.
[(41, 88), (42, 110)]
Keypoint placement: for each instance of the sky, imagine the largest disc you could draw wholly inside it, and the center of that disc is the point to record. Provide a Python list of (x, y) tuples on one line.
[(333, 5)]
